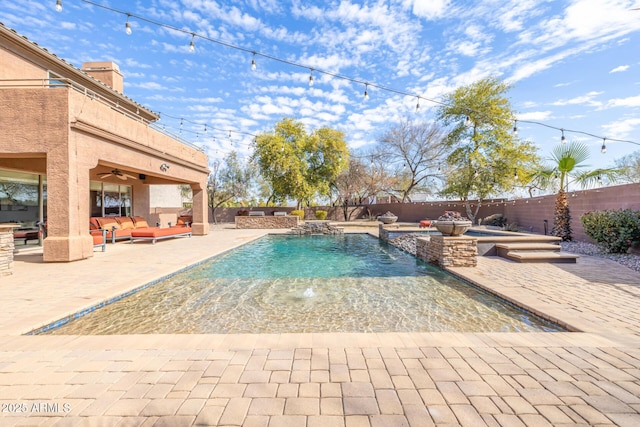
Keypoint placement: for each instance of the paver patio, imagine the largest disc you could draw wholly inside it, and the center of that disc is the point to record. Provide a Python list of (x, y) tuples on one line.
[(590, 377)]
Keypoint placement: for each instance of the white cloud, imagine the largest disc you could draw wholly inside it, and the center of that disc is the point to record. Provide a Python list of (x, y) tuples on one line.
[(621, 129), (429, 9), (619, 69), (632, 101), (586, 99), (535, 115)]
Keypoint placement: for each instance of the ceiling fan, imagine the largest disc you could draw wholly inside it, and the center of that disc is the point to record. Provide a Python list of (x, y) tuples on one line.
[(117, 173)]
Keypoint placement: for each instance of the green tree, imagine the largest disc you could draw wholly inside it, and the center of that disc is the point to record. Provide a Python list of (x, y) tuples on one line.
[(415, 150), (229, 181), (298, 165), (567, 163), (486, 159)]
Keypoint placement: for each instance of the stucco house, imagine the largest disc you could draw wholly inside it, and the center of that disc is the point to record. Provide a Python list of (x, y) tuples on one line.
[(82, 147)]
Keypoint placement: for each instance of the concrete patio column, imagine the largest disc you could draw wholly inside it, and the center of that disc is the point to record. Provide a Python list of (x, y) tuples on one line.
[(68, 236), (200, 209)]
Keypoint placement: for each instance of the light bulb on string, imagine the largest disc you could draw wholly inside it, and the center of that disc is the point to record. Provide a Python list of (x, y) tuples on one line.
[(418, 103), (311, 78), (603, 149), (562, 138), (515, 128), (366, 91), (127, 26), (58, 5), (192, 45), (254, 66)]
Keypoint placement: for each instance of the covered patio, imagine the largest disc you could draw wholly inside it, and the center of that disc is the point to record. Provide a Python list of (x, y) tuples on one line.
[(82, 138)]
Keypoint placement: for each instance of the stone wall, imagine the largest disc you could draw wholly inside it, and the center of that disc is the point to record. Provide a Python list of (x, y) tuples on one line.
[(448, 251), (289, 221), (6, 250)]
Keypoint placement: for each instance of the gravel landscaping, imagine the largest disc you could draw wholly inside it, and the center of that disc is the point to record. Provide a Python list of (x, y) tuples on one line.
[(629, 260)]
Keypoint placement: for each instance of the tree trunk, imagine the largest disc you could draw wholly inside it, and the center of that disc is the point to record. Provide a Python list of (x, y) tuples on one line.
[(562, 218)]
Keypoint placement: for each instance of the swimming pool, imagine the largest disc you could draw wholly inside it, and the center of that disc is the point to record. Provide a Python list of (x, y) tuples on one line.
[(281, 284)]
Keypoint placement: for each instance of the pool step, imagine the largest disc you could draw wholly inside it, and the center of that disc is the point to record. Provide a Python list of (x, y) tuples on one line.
[(534, 252)]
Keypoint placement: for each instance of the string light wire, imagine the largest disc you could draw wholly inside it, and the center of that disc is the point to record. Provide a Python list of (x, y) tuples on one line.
[(328, 73)]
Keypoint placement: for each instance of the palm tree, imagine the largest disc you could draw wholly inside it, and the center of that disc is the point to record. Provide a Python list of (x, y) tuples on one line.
[(568, 159)]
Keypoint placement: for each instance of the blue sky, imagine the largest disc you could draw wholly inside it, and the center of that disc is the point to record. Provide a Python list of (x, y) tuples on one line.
[(573, 64)]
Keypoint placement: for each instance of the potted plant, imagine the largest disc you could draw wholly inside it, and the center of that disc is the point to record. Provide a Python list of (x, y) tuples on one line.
[(388, 218), (452, 224)]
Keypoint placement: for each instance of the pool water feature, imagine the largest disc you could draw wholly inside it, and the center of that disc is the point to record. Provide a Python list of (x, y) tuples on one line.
[(287, 284)]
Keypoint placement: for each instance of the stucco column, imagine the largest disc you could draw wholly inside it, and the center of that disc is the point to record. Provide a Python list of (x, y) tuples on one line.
[(141, 199), (68, 237), (200, 224)]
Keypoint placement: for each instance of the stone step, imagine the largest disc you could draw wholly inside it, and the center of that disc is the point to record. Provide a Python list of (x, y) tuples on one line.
[(504, 248), (541, 256)]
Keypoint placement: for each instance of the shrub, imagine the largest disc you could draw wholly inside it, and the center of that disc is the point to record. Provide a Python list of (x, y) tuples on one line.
[(614, 230), (298, 213), (496, 220), (321, 215)]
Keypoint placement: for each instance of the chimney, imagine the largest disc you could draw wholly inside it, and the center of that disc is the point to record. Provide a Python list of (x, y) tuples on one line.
[(107, 72)]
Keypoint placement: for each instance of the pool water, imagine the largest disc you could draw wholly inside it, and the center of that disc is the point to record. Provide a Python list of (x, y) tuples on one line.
[(280, 284)]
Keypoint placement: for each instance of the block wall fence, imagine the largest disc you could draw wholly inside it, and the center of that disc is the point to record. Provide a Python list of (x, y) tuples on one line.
[(527, 213)]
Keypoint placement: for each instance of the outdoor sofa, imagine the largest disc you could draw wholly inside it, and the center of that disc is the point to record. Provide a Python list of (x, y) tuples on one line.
[(182, 229), (118, 227), (136, 228)]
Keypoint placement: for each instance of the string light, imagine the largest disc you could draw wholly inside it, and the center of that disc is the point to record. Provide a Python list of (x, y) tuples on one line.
[(254, 66), (311, 77), (603, 149), (418, 104), (192, 45), (127, 26), (343, 77), (58, 5), (366, 91), (562, 138), (515, 128)]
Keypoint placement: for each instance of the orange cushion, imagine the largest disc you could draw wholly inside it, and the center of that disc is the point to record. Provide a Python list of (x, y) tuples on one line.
[(140, 222), (93, 223), (158, 232), (126, 223), (107, 223), (97, 238)]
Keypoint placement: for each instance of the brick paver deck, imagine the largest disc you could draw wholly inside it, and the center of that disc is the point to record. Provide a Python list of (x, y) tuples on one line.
[(590, 377)]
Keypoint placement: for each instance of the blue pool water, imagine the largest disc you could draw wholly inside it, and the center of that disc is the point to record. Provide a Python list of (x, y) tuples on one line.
[(279, 284)]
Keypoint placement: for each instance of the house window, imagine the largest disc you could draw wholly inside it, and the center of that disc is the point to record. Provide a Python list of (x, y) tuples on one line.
[(20, 198), (110, 199)]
